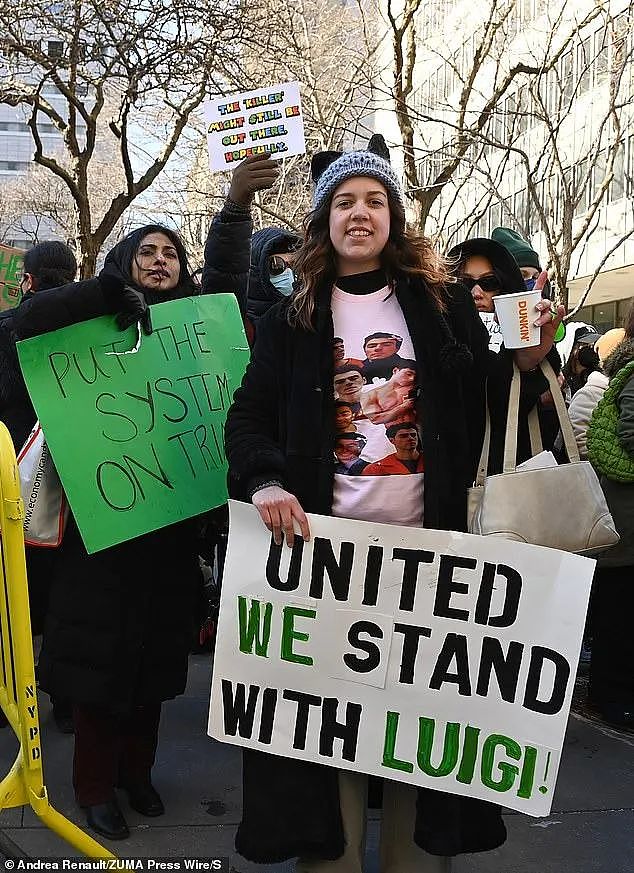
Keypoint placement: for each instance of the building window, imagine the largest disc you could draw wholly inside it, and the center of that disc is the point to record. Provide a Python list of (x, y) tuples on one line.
[(584, 65), (15, 166), (604, 316), (55, 49), (617, 186)]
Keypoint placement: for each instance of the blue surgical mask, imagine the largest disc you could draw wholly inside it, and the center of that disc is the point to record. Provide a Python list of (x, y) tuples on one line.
[(283, 282)]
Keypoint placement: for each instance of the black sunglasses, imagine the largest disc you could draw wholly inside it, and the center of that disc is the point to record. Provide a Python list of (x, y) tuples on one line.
[(277, 265), (486, 283)]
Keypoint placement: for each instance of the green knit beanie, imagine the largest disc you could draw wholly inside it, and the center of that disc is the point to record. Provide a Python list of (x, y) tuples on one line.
[(522, 251)]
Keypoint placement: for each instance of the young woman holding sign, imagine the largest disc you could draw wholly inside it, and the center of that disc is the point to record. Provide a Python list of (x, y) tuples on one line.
[(362, 275), (121, 621)]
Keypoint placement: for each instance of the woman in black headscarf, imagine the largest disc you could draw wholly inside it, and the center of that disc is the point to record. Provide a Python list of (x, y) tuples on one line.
[(120, 623)]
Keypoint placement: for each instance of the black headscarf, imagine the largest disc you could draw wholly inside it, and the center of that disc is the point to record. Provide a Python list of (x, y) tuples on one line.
[(120, 258)]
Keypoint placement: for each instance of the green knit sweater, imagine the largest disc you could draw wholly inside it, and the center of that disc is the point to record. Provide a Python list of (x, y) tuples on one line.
[(611, 429)]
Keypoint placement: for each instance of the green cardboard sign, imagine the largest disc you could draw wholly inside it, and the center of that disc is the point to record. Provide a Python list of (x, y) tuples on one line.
[(137, 438)]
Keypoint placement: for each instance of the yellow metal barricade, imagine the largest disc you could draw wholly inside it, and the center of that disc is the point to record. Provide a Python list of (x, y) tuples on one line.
[(24, 784)]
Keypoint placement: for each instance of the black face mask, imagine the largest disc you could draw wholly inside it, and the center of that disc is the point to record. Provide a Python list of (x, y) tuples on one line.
[(588, 358)]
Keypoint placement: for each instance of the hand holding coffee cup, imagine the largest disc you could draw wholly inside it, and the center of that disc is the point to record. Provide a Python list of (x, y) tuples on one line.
[(528, 357), (516, 316)]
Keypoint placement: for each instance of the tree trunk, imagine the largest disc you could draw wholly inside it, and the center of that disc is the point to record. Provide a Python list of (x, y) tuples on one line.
[(88, 260)]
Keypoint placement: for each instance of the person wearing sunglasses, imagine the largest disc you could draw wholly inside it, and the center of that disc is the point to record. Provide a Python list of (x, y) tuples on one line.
[(487, 269), (271, 276)]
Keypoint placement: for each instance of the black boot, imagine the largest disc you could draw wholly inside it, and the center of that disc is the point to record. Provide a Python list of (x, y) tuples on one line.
[(63, 715), (144, 798), (107, 819)]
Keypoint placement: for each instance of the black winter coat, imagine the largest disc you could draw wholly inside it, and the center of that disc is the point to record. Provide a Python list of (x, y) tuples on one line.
[(121, 621), (16, 409), (237, 261), (281, 427), (17, 413), (227, 253)]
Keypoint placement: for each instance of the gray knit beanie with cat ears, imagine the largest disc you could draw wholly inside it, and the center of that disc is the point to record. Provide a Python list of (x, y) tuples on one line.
[(330, 169)]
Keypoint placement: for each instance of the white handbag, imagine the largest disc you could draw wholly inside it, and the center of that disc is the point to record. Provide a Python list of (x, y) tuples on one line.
[(45, 504), (562, 507)]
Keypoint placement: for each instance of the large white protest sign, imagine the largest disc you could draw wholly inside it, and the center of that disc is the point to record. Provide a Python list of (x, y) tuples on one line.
[(429, 657), (268, 120)]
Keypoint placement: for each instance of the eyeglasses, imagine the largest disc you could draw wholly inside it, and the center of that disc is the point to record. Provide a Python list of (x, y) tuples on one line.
[(490, 284), (277, 265)]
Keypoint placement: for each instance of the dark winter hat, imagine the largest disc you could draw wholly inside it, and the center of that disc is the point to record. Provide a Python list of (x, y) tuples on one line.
[(504, 264), (330, 169), (586, 335), (522, 251)]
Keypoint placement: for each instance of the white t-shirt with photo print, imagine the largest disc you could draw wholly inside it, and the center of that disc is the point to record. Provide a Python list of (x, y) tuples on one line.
[(388, 486)]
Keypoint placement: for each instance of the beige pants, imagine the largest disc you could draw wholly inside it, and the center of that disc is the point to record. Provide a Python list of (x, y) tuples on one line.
[(398, 851)]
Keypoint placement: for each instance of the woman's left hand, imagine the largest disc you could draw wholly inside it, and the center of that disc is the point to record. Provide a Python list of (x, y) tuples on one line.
[(548, 320)]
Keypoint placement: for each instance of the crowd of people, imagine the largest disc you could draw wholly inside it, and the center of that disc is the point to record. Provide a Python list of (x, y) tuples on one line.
[(372, 355)]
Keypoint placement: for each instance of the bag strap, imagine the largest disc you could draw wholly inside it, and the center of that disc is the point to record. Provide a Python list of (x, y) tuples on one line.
[(534, 431), (510, 441), (570, 443)]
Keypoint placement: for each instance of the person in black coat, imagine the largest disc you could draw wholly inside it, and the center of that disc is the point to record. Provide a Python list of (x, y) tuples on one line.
[(255, 266), (280, 437), (46, 265), (120, 621)]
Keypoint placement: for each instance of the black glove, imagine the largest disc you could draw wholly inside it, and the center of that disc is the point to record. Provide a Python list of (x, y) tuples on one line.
[(133, 308), (124, 301)]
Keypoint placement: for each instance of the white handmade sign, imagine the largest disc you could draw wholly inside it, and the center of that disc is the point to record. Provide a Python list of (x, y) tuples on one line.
[(429, 657), (268, 120)]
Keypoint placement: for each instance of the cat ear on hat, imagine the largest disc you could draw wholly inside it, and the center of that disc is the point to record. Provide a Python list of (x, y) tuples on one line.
[(320, 162), (378, 146)]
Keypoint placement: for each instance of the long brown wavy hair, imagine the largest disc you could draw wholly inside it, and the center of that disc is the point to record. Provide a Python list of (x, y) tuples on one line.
[(406, 253)]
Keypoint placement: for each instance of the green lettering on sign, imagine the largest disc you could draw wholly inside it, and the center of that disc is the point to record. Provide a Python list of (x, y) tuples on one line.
[(289, 634), (426, 728), (253, 629), (389, 746), (508, 772)]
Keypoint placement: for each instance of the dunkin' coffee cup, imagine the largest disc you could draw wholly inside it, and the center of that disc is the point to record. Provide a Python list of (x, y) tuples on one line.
[(516, 314)]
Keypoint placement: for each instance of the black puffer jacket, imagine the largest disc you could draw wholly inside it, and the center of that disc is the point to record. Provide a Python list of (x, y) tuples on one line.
[(121, 621), (227, 251), (281, 428)]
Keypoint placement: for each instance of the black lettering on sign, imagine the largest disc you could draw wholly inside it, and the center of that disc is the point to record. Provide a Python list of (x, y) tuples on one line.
[(539, 657), (267, 716), (100, 403), (374, 562), (294, 568), (454, 648), (347, 730), (109, 467), (60, 369), (148, 398), (512, 591), (167, 393), (304, 701), (373, 652), (157, 474), (413, 558), (506, 667), (91, 376), (324, 561), (411, 639), (238, 711), (447, 586)]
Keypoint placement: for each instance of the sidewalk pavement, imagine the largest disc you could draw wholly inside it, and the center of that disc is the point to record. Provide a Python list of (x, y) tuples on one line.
[(591, 828)]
